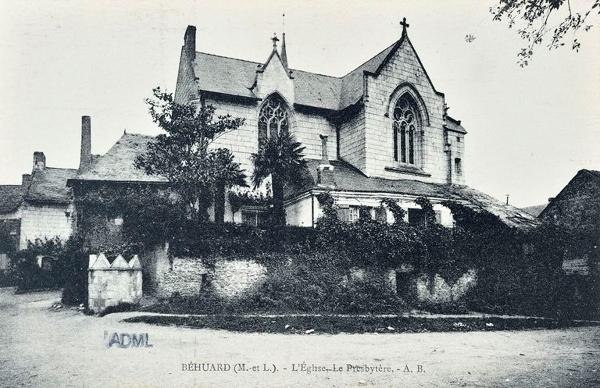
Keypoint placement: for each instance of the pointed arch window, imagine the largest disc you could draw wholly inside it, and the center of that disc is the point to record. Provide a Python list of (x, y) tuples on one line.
[(273, 118), (407, 126)]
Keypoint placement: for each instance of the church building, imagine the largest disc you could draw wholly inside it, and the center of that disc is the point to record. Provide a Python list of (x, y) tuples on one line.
[(380, 131)]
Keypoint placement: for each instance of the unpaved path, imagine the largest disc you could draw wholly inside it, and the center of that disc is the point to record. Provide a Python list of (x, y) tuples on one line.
[(44, 348)]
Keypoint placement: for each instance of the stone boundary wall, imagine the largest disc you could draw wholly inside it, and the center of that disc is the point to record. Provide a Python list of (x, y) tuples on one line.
[(113, 284), (185, 276), (236, 278), (436, 290)]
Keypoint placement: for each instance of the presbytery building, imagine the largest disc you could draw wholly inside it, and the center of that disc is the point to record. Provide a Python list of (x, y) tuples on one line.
[(380, 131)]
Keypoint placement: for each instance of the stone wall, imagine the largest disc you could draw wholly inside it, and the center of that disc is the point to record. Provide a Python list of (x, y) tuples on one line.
[(352, 140), (306, 126), (113, 284), (235, 278), (186, 276), (436, 290), (403, 68)]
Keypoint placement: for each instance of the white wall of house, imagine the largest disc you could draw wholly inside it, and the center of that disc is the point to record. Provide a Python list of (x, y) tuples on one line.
[(45, 221), (299, 212)]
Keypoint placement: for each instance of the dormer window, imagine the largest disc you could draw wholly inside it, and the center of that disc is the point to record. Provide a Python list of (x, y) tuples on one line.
[(407, 126), (273, 118)]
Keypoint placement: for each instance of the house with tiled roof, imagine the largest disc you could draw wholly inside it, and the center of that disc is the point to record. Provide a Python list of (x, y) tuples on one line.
[(380, 131), (577, 205), (41, 207)]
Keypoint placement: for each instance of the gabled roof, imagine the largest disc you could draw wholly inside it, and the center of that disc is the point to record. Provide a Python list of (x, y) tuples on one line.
[(534, 210), (582, 175), (49, 186), (117, 165), (347, 178), (11, 197), (231, 76)]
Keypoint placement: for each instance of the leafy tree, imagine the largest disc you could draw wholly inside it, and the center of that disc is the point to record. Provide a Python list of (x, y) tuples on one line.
[(281, 158), (182, 154), (534, 17)]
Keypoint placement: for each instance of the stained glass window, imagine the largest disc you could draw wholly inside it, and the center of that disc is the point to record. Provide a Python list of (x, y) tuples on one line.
[(273, 118), (406, 125)]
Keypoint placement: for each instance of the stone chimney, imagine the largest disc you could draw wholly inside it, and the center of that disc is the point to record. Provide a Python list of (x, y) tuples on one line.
[(85, 155), (325, 169), (189, 42), (25, 181), (39, 161)]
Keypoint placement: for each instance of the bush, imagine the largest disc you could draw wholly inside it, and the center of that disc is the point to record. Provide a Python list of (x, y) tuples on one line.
[(28, 274)]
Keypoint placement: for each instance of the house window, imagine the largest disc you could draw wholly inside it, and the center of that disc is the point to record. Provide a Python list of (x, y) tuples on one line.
[(254, 217), (458, 166), (349, 214), (273, 118), (380, 214), (416, 217), (406, 128)]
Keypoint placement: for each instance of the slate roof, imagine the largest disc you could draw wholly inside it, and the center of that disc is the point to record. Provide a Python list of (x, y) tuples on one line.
[(454, 125), (11, 197), (50, 186), (117, 164), (348, 178), (236, 77), (535, 210)]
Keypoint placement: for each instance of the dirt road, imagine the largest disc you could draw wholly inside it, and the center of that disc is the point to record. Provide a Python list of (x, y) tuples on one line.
[(44, 348)]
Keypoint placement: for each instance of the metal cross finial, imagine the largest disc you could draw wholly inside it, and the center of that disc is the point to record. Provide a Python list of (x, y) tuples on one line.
[(275, 39), (404, 25)]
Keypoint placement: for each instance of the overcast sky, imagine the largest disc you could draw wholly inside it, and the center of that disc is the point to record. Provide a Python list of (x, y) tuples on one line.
[(530, 130)]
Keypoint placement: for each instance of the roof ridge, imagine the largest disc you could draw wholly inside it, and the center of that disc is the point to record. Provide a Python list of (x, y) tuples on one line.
[(259, 63), (365, 62), (60, 168), (224, 56)]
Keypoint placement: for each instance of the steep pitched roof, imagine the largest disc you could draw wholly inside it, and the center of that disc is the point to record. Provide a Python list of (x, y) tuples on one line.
[(231, 76), (117, 165), (348, 178), (534, 210), (581, 176), (11, 197), (50, 186)]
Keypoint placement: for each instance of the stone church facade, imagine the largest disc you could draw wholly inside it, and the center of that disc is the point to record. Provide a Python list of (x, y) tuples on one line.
[(380, 131)]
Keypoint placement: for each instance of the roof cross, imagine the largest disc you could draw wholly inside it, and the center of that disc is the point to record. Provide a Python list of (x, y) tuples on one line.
[(404, 25), (275, 39)]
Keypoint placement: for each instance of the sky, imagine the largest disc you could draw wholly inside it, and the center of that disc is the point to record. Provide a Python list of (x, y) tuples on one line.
[(529, 129)]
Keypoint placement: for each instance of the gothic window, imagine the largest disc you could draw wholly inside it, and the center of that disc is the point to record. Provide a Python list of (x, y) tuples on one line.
[(406, 130), (273, 118)]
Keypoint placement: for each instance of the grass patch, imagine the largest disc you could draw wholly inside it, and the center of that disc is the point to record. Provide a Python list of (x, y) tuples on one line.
[(332, 324)]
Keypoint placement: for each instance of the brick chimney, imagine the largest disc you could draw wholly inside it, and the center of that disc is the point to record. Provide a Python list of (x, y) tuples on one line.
[(189, 42), (39, 161), (85, 155), (25, 181), (325, 169)]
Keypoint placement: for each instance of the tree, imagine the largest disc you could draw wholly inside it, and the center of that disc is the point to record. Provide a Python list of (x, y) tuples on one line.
[(182, 154), (280, 157), (227, 173), (534, 18)]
